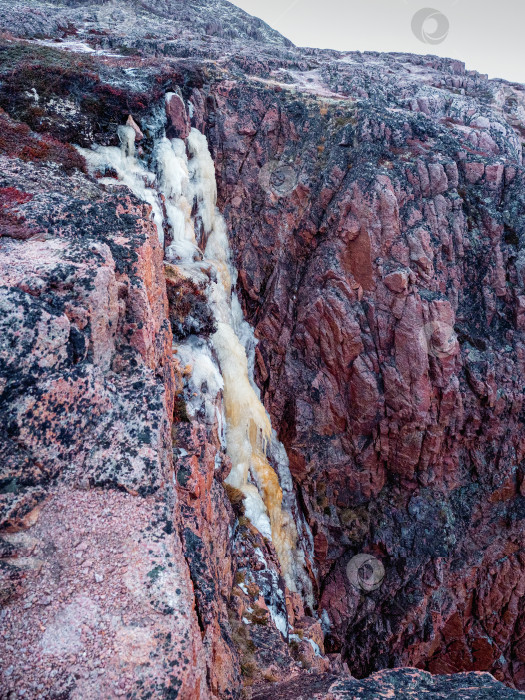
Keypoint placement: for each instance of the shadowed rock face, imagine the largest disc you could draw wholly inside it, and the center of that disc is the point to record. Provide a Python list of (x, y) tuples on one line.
[(375, 210), (400, 683), (382, 273)]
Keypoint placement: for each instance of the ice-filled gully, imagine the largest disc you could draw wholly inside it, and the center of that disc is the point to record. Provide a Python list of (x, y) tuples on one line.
[(180, 180)]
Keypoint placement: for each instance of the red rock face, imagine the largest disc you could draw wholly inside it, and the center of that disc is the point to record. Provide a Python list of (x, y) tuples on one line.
[(384, 285), (178, 121)]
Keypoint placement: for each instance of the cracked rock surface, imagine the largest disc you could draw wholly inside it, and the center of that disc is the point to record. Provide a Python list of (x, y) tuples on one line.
[(375, 206)]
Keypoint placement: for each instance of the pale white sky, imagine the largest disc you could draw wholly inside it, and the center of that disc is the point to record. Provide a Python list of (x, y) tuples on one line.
[(488, 36)]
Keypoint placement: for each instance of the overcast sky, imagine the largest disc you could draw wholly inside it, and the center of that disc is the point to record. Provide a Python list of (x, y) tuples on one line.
[(488, 36)]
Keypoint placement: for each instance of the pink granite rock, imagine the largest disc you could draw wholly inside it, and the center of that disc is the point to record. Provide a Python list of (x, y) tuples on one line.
[(179, 122)]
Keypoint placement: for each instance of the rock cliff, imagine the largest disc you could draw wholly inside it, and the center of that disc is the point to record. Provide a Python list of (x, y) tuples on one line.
[(373, 208)]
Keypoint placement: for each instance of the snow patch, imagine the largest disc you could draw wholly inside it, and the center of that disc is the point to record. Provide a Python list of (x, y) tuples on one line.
[(326, 625), (130, 172), (314, 645), (75, 47)]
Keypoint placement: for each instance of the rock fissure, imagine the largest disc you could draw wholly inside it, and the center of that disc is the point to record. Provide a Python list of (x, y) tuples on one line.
[(185, 184)]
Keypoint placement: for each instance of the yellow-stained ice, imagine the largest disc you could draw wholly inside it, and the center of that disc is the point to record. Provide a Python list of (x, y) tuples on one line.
[(181, 182), (249, 431), (248, 426)]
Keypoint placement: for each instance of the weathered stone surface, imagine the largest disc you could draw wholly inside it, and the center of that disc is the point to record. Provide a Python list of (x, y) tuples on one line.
[(85, 331), (95, 609), (178, 120), (375, 210), (405, 684), (384, 288), (96, 595)]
